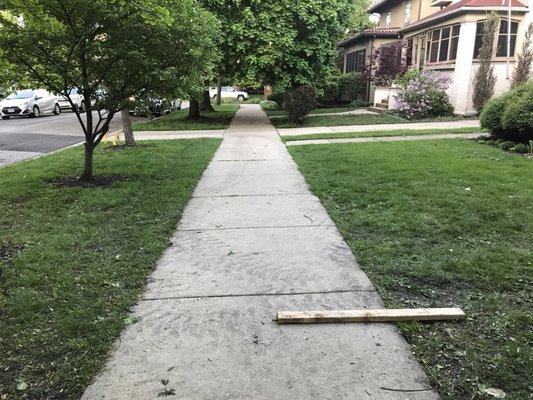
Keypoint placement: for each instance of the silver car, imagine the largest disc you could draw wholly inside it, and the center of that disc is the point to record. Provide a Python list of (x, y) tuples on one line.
[(30, 103), (77, 99)]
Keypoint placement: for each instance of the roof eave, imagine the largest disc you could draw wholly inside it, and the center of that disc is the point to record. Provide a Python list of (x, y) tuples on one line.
[(368, 35), (452, 13)]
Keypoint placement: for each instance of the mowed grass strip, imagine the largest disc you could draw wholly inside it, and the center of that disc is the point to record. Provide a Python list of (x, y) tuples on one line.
[(323, 110), (440, 224), (339, 120), (177, 120), (400, 132), (74, 260)]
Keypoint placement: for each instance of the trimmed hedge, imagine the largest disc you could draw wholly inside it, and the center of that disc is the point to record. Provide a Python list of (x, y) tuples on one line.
[(344, 89), (510, 115)]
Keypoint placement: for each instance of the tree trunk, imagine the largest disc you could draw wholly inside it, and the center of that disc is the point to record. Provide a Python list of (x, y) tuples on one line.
[(206, 102), (219, 91), (87, 174), (194, 110), (126, 127)]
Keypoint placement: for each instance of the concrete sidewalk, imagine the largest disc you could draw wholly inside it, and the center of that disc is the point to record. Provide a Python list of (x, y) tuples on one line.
[(409, 138), (251, 242), (379, 127)]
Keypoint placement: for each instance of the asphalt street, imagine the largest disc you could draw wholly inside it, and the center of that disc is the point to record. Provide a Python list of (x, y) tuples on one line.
[(23, 138)]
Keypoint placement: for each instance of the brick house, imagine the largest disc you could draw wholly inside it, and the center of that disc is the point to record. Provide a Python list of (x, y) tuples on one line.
[(441, 35)]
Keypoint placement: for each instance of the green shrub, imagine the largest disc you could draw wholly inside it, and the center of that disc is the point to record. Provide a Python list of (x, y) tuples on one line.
[(351, 87), (520, 148), (298, 103), (491, 115), (344, 89), (510, 115), (507, 145), (277, 97), (423, 95)]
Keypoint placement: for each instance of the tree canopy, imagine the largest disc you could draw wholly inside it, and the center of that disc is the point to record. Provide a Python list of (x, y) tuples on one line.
[(110, 51)]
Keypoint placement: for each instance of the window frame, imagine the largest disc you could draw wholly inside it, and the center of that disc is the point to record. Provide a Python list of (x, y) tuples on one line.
[(495, 55), (451, 37), (355, 61)]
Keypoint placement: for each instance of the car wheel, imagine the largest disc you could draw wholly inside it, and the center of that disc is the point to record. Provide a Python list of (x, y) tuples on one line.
[(57, 110), (81, 108), (240, 97), (36, 112), (5, 116)]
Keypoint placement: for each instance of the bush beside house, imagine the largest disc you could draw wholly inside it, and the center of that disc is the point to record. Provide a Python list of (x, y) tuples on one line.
[(423, 94), (347, 88), (510, 116)]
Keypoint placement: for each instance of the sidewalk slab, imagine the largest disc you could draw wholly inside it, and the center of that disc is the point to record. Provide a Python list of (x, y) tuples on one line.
[(267, 261), (379, 127), (253, 212), (410, 138), (213, 185), (230, 349), (8, 157)]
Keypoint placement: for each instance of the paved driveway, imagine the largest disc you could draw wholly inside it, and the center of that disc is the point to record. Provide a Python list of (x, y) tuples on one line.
[(22, 138)]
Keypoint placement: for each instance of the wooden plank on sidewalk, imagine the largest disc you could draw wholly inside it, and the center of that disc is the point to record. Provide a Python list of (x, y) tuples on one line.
[(378, 315)]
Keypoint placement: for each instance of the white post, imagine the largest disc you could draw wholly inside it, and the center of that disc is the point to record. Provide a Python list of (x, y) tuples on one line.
[(508, 69)]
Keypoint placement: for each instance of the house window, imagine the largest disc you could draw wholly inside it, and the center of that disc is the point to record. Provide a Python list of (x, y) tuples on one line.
[(443, 44), (501, 44), (501, 50), (407, 17), (355, 61), (388, 19)]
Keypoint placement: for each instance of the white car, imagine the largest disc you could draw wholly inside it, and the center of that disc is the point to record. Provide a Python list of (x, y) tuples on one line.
[(29, 102), (75, 96), (229, 92)]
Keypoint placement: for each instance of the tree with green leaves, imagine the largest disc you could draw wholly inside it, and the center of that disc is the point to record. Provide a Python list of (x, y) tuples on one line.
[(290, 43), (111, 51), (484, 78), (359, 20), (524, 60)]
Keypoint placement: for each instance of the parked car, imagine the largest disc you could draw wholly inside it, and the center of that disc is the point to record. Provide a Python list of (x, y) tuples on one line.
[(229, 92), (30, 103), (75, 96), (156, 107)]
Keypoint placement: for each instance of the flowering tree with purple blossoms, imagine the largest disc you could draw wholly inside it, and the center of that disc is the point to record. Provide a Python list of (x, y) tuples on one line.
[(423, 94)]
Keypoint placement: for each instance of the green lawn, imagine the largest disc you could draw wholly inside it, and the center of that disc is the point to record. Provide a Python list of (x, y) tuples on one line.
[(339, 120), (438, 224), (177, 121), (74, 260), (400, 132), (326, 110)]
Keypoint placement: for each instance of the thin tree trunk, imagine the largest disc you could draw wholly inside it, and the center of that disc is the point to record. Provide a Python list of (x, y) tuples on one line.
[(219, 91), (87, 174), (126, 127), (206, 102), (194, 110)]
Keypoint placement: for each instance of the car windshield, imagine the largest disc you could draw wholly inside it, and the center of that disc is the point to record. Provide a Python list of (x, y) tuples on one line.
[(21, 94), (73, 91)]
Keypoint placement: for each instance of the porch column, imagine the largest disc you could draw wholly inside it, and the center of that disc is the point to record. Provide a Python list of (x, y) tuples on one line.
[(460, 90)]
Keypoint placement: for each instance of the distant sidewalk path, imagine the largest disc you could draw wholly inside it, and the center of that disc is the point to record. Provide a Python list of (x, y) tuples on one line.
[(254, 240), (379, 127), (411, 138)]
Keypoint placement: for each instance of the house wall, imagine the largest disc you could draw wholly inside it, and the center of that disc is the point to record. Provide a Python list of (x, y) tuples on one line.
[(419, 9), (462, 70), (397, 15)]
